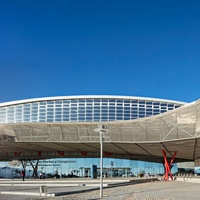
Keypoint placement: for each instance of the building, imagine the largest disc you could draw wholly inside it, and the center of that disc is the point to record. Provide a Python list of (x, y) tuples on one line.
[(63, 127)]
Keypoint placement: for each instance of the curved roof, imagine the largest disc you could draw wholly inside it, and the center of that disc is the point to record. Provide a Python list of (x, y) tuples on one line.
[(176, 130), (89, 97)]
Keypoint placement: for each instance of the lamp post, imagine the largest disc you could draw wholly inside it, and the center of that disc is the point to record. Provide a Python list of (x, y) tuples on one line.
[(102, 129)]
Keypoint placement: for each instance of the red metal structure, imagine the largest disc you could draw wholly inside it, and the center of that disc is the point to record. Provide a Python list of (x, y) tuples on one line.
[(168, 166)]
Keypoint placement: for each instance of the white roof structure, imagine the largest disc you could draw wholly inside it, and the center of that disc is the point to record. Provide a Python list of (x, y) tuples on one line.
[(138, 139)]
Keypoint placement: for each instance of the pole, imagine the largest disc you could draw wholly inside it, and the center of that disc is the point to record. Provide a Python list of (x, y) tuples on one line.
[(101, 165), (101, 130)]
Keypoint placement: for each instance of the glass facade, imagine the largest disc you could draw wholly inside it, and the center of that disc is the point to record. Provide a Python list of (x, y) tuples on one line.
[(83, 110), (81, 167)]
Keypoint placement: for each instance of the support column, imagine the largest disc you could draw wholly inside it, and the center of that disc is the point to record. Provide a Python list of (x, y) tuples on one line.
[(168, 166), (35, 169), (23, 173)]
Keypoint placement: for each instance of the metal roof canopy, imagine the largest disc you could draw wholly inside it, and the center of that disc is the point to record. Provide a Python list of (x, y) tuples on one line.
[(140, 139)]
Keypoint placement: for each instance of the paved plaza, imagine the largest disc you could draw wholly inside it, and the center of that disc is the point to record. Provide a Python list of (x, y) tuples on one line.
[(124, 189)]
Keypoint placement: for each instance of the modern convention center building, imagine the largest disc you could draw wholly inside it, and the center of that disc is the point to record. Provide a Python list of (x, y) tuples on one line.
[(63, 128), (83, 109)]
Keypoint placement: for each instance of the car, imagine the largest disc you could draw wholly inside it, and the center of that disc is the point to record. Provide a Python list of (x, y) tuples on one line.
[(128, 174)]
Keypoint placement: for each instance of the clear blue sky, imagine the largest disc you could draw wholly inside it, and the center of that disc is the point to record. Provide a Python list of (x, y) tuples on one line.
[(136, 48)]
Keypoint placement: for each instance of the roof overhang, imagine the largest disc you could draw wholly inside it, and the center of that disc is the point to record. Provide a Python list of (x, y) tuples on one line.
[(142, 139)]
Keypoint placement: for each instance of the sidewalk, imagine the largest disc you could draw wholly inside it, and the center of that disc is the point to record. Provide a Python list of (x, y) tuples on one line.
[(116, 189)]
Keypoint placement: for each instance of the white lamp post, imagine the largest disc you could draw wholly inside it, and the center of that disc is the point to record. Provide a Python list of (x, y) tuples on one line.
[(102, 129)]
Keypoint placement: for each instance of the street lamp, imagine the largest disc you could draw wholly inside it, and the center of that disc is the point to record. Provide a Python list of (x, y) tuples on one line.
[(102, 129)]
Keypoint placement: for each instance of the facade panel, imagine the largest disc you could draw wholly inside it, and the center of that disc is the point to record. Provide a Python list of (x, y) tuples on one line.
[(84, 110)]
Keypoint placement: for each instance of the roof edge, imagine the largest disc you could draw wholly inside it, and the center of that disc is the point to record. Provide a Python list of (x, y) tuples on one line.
[(89, 97)]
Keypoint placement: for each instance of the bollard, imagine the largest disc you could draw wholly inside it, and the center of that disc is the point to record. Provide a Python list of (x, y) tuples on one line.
[(43, 190)]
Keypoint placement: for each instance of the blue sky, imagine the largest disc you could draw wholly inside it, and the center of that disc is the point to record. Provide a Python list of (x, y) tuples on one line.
[(135, 48)]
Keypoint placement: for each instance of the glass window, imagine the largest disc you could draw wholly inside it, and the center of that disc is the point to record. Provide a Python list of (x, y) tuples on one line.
[(27, 112), (33, 105), (34, 111), (58, 106), (74, 101), (81, 115), (58, 102), (89, 100), (18, 114), (66, 101), (97, 107), (58, 109), (81, 100), (65, 118), (18, 120), (42, 102), (104, 100), (35, 119), (156, 111), (73, 119), (43, 106), (50, 120), (148, 106), (3, 109), (27, 105), (89, 107), (66, 115), (96, 100), (104, 107), (34, 115), (134, 116), (58, 117), (104, 119), (141, 115), (50, 109), (127, 101), (112, 100), (89, 119), (58, 113), (50, 102), (42, 110), (119, 117), (81, 119), (81, 111)]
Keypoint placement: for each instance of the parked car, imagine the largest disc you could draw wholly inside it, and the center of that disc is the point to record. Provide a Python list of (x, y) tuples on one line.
[(128, 174)]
